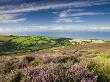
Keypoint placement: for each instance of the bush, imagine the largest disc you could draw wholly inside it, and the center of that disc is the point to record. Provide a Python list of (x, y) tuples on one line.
[(102, 70), (13, 76), (8, 66), (37, 62), (28, 59), (58, 73)]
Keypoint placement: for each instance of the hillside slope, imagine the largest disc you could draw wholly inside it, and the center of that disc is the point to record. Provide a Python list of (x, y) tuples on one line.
[(15, 44), (81, 63)]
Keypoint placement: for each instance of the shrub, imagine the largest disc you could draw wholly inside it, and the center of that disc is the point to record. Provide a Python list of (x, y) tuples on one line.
[(58, 73), (37, 62), (28, 59), (14, 76), (102, 70), (9, 66)]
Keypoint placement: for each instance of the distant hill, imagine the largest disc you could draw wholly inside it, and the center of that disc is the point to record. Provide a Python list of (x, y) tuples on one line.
[(13, 44)]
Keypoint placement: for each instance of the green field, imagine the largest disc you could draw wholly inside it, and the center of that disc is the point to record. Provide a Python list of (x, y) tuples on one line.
[(14, 44)]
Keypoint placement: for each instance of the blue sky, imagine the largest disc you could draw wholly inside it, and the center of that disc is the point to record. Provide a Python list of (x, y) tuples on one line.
[(26, 16)]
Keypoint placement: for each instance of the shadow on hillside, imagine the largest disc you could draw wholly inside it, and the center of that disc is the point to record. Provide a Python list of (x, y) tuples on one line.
[(8, 46)]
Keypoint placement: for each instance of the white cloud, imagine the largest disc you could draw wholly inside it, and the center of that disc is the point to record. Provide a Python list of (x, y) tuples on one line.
[(68, 11), (78, 12), (36, 28), (7, 11), (86, 14), (35, 7), (8, 14), (68, 20), (10, 18), (63, 14), (72, 15)]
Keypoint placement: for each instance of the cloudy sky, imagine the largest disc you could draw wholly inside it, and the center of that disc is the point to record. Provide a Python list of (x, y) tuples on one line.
[(23, 16)]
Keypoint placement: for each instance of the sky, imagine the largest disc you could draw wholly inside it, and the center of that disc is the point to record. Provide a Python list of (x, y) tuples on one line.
[(30, 16)]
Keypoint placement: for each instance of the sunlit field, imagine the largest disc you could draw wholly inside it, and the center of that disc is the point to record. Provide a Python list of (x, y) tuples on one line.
[(86, 62)]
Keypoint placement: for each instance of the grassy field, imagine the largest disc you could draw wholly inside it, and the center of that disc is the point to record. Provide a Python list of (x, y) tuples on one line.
[(14, 44), (79, 63)]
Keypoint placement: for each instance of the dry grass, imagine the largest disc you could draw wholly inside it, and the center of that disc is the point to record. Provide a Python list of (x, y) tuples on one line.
[(95, 58)]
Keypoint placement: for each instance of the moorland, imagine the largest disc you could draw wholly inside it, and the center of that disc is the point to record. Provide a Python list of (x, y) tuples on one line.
[(51, 59)]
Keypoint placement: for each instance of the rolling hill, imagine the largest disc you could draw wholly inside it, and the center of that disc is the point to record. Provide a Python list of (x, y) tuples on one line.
[(14, 44), (81, 63)]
